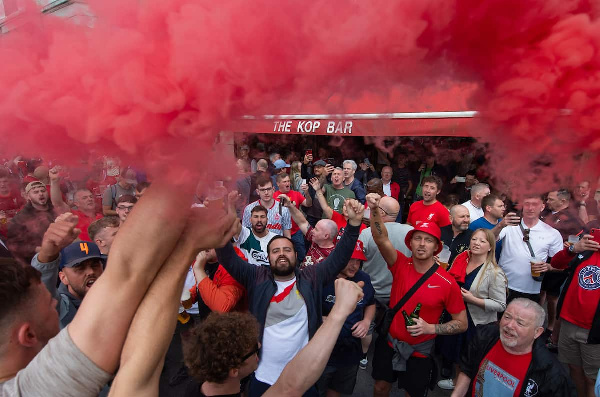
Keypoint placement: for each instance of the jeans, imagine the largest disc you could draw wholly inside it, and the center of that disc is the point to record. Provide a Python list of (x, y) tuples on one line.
[(298, 240)]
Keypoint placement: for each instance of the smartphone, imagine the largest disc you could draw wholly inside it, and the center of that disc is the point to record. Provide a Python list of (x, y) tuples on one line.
[(308, 152), (367, 162), (330, 160), (460, 178), (596, 235)]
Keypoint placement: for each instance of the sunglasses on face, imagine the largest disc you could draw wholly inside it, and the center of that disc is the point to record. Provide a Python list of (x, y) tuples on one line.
[(253, 352)]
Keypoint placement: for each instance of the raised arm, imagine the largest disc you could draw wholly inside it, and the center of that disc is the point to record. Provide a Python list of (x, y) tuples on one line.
[(154, 323), (159, 218), (307, 199), (221, 298), (296, 214), (339, 258), (317, 185), (55, 193), (308, 365), (379, 231)]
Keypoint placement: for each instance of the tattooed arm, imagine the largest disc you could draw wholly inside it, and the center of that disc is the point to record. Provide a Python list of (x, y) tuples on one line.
[(457, 325), (379, 231)]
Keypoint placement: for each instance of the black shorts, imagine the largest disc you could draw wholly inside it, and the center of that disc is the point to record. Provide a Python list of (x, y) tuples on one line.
[(552, 282), (415, 380), (341, 380)]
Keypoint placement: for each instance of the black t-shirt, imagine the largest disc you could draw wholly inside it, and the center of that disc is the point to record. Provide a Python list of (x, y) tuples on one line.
[(457, 244), (194, 389)]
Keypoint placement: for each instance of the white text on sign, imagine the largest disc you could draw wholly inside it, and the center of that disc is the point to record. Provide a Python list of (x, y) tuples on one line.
[(313, 126)]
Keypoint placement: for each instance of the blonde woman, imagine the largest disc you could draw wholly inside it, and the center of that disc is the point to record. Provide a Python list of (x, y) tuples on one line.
[(483, 286), (295, 176)]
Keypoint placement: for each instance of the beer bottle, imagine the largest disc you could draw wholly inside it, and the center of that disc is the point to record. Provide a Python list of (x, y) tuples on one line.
[(407, 320), (415, 313)]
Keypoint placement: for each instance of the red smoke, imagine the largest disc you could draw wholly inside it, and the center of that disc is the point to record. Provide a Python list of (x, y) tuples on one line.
[(158, 79)]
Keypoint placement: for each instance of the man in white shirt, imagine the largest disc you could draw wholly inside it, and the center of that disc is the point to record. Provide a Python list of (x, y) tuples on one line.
[(515, 258), (253, 241), (478, 192), (278, 217)]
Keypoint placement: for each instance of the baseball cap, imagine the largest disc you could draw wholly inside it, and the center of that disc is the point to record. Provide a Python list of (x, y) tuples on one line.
[(33, 185), (79, 251), (320, 162), (429, 228), (359, 251), (279, 164), (130, 176)]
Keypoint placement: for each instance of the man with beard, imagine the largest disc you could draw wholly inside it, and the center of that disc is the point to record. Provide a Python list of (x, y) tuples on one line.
[(510, 360), (287, 300), (27, 228), (83, 200), (405, 353), (279, 220), (253, 241), (457, 235), (429, 209), (78, 265)]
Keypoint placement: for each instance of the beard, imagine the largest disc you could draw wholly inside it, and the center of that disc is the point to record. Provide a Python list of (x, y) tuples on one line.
[(282, 270), (259, 228), (512, 342)]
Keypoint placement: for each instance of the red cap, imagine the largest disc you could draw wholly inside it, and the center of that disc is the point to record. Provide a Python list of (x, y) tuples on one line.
[(359, 252), (429, 228)]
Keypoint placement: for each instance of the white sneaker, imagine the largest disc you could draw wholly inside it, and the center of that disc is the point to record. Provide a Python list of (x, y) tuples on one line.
[(446, 384), (363, 363)]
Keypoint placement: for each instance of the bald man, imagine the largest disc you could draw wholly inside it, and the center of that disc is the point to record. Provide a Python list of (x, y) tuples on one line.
[(457, 234)]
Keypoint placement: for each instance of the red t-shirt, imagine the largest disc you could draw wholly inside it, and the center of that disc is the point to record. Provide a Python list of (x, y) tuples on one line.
[(436, 212), (11, 204), (84, 223), (439, 292), (315, 254), (501, 373), (341, 223), (297, 198), (583, 294)]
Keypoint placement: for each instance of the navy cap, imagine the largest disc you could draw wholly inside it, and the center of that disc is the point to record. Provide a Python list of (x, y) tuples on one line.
[(320, 162), (79, 251)]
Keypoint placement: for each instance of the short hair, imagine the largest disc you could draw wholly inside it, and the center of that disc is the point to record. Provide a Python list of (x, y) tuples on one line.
[(263, 179), (141, 186), (450, 200), (351, 162), (277, 238), (98, 225), (433, 179), (455, 208), (338, 169), (281, 176), (489, 201), (218, 345), (471, 172), (15, 290), (127, 198), (259, 208), (262, 163), (4, 172), (563, 194), (374, 185), (273, 155), (81, 189), (540, 313), (478, 188)]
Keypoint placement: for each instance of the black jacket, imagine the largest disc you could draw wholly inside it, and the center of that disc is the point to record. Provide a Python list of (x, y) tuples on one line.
[(26, 230), (261, 287), (546, 377), (594, 335)]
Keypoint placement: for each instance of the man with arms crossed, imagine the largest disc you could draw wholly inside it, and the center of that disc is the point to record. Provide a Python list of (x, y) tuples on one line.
[(405, 353)]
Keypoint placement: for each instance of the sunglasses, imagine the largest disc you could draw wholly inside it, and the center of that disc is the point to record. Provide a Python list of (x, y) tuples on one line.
[(253, 352), (526, 235)]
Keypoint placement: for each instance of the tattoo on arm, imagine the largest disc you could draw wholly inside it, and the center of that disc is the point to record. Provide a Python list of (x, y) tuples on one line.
[(450, 328), (378, 227)]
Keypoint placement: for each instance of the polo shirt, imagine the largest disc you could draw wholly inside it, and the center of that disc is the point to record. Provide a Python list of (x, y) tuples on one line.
[(474, 212)]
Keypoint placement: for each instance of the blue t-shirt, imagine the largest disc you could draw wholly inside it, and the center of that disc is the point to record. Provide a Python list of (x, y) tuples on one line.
[(483, 223), (347, 350)]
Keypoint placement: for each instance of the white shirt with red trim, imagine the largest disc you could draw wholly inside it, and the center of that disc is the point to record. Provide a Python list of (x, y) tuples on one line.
[(275, 223)]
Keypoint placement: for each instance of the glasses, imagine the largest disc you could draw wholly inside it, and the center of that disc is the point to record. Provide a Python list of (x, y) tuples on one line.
[(526, 235), (265, 189), (123, 208), (394, 214), (253, 352)]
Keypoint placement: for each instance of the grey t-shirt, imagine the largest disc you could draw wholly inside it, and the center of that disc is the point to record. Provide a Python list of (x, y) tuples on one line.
[(375, 265), (112, 194), (60, 370)]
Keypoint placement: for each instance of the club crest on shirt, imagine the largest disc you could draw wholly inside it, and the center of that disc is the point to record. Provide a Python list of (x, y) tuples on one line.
[(430, 217), (531, 389), (589, 277)]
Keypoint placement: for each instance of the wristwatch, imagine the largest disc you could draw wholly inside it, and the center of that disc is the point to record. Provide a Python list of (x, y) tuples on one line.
[(572, 249)]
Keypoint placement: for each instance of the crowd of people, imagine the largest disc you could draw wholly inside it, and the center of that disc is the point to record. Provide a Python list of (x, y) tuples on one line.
[(293, 275)]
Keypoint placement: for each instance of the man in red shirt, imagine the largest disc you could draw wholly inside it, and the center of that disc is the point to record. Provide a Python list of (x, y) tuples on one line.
[(297, 199), (509, 360), (429, 209), (579, 311), (405, 353), (83, 200), (11, 200)]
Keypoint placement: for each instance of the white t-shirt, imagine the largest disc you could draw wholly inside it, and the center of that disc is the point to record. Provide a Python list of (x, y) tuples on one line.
[(254, 247), (286, 331), (387, 189), (474, 212), (514, 260)]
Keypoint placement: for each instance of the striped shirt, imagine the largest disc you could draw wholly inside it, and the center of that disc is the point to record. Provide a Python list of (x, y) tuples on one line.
[(275, 223)]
